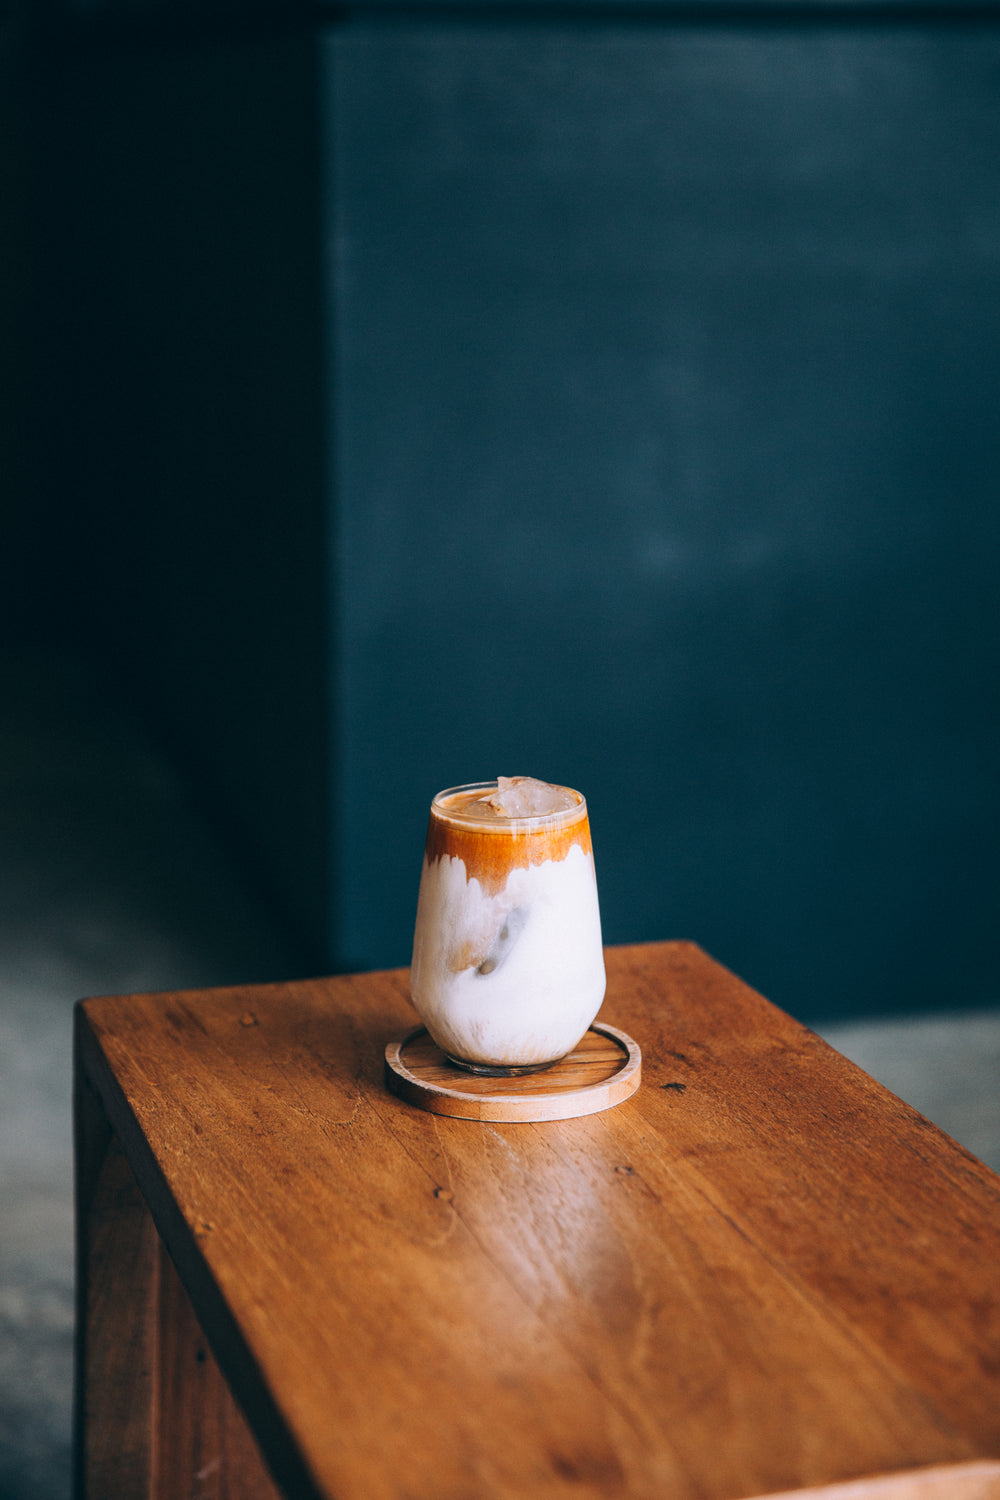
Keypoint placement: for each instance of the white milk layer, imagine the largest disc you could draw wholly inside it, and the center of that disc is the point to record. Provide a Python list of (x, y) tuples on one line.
[(514, 978)]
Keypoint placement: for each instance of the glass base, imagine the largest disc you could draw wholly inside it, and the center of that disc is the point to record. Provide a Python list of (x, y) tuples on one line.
[(501, 1070)]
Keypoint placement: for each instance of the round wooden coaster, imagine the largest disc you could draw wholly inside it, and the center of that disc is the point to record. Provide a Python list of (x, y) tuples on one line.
[(601, 1071)]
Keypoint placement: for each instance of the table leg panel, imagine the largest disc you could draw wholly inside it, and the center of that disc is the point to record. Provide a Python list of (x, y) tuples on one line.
[(117, 1281), (154, 1416), (205, 1449)]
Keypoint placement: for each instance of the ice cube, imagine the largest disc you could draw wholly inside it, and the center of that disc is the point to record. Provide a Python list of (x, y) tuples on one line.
[(525, 797)]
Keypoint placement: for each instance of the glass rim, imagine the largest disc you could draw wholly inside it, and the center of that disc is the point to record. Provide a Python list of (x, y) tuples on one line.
[(503, 823)]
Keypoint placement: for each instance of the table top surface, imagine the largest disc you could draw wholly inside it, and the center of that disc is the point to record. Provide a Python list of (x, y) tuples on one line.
[(761, 1273)]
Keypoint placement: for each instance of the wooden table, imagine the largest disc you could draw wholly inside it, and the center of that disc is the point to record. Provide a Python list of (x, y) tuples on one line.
[(762, 1273)]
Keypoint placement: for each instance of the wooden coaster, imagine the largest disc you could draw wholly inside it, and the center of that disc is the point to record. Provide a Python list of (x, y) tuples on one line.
[(601, 1071)]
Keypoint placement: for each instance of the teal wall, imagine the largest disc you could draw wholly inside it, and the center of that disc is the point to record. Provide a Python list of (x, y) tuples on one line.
[(666, 452), (612, 401)]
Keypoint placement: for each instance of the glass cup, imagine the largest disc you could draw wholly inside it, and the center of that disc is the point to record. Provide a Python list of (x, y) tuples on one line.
[(508, 967)]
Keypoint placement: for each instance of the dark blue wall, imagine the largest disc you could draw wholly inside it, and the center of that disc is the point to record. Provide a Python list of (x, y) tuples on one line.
[(659, 415)]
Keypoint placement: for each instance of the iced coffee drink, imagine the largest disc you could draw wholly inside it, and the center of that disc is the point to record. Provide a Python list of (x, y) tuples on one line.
[(508, 968)]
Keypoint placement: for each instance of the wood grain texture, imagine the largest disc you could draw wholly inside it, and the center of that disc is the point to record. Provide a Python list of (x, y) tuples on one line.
[(762, 1273), (204, 1449), (155, 1418), (604, 1069), (117, 1310)]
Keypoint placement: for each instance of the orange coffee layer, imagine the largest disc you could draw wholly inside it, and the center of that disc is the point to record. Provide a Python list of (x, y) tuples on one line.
[(492, 850)]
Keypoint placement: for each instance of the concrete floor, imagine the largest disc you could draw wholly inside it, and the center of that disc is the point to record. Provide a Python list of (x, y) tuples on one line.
[(110, 884)]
